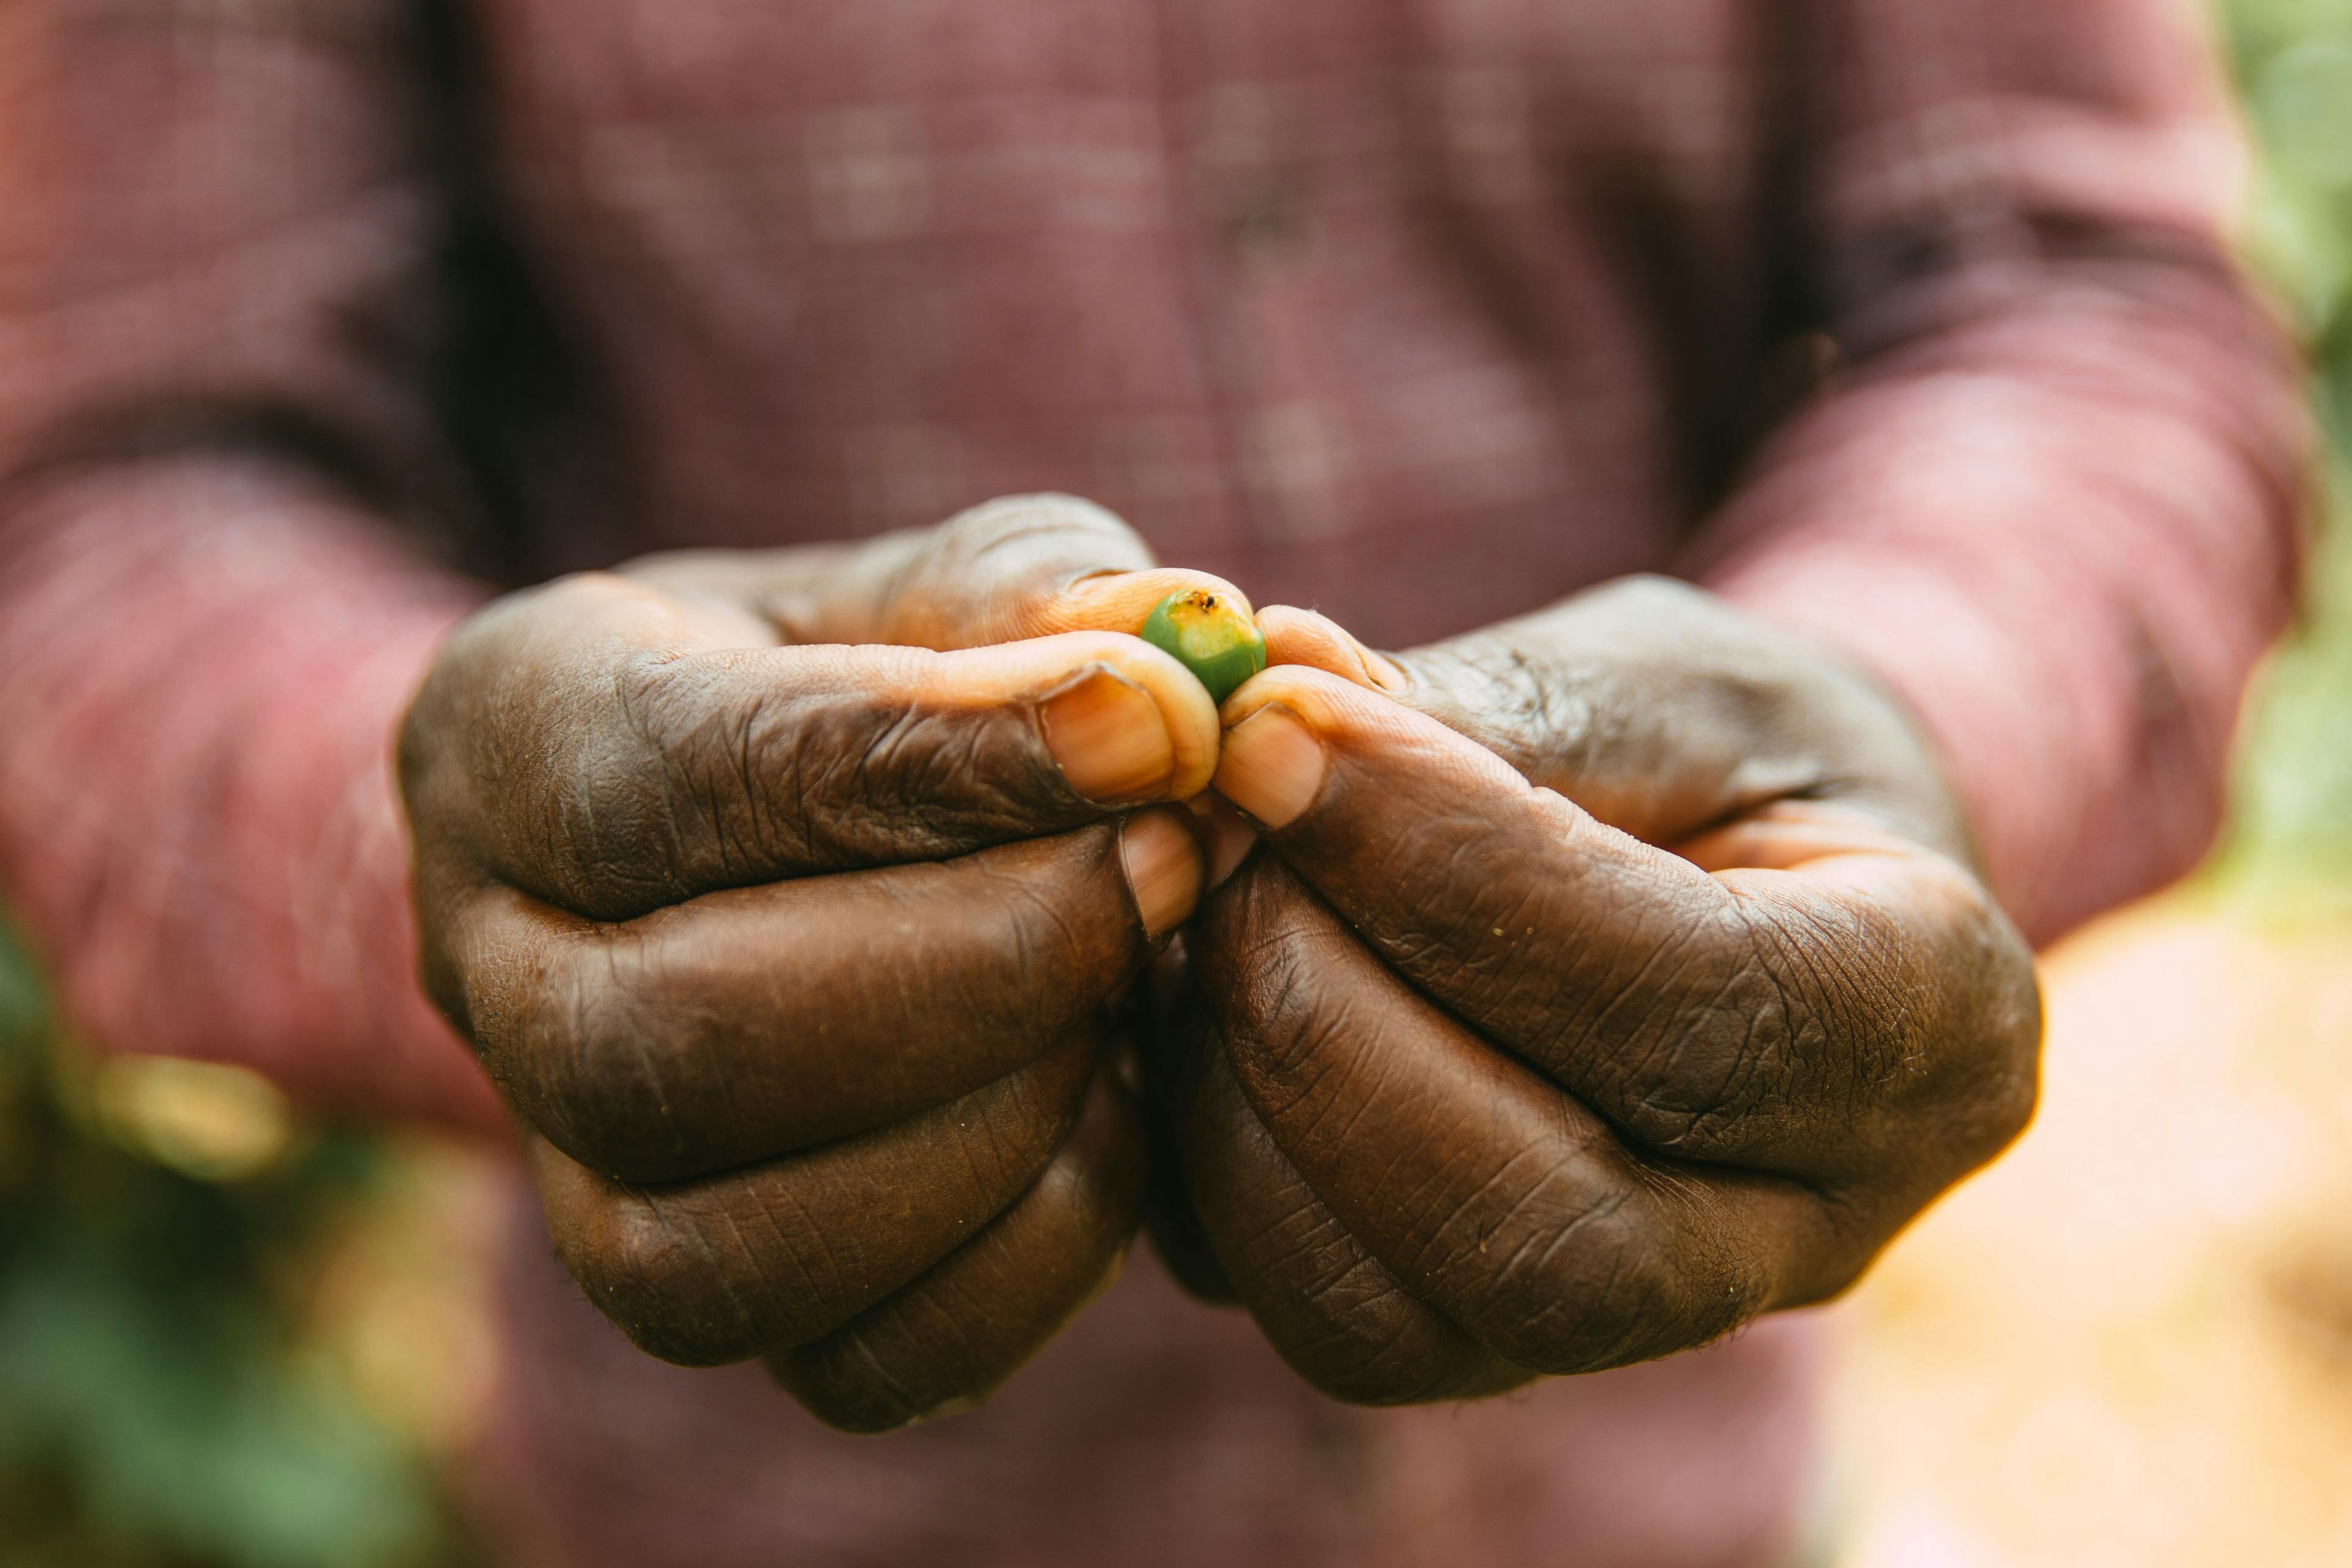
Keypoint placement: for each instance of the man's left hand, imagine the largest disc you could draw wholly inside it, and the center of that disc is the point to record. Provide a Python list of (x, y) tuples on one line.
[(1618, 976)]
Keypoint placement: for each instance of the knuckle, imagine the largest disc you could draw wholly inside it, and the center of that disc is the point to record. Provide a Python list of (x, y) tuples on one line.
[(1263, 962), (1697, 1037), (914, 1358), (1803, 1021), (1024, 522), (1338, 1316), (851, 1388), (595, 1056), (1598, 1293), (584, 811), (652, 1268), (746, 776), (1360, 1338), (990, 567), (794, 781), (1990, 1037)]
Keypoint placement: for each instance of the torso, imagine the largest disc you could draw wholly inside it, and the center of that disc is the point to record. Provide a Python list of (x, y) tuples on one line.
[(1422, 310)]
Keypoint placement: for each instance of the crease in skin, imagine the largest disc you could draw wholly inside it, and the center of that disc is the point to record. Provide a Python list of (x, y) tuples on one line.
[(1877, 929), (1303, 1060), (1668, 1044), (1634, 1330), (648, 1069), (1765, 1038), (1383, 1290), (1318, 1236), (1557, 1238), (1835, 973), (759, 1271), (610, 964), (903, 1398), (1891, 1018), (1440, 1258), (1500, 1177), (968, 1286), (674, 1216), (645, 1211), (824, 1274), (1598, 1038), (1406, 953), (988, 1135), (1417, 1317)]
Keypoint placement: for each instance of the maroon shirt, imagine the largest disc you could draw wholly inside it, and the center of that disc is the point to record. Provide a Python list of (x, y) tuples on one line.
[(1905, 322)]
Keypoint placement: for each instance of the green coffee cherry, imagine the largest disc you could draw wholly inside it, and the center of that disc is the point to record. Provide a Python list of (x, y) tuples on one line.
[(1209, 635)]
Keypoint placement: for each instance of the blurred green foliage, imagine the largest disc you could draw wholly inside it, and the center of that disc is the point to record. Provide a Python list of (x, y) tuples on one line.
[(2289, 850), (154, 1407)]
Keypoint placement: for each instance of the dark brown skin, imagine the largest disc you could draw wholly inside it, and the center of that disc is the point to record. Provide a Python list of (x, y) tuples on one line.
[(1474, 1078), (807, 969), (792, 961)]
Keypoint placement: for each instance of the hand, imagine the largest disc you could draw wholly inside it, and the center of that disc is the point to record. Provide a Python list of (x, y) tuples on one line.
[(791, 957), (1618, 978)]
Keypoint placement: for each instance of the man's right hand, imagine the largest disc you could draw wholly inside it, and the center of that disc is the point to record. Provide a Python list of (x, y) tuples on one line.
[(791, 955)]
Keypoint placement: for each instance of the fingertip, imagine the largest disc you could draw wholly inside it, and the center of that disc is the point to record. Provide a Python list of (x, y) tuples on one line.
[(1124, 721), (1163, 864), (1313, 691), (1339, 717), (1226, 837), (1312, 639), (1272, 767), (1187, 713), (1122, 601)]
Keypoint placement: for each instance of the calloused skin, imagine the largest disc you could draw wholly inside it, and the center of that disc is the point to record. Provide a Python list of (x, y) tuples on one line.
[(791, 956), (1624, 978)]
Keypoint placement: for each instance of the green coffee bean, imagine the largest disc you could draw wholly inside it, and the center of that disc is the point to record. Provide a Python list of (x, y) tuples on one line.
[(1209, 635)]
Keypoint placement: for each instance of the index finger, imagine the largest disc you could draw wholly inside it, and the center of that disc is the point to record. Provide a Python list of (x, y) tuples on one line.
[(1785, 1019), (594, 746), (1005, 571)]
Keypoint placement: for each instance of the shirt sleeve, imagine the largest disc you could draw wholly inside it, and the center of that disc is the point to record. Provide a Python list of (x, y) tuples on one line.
[(2051, 488), (217, 233)]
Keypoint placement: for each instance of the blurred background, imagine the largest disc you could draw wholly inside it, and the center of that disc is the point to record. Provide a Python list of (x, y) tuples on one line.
[(229, 1339)]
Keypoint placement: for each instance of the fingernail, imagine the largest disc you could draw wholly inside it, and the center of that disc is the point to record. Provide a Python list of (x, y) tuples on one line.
[(1163, 868), (1271, 765), (1385, 672), (1110, 737)]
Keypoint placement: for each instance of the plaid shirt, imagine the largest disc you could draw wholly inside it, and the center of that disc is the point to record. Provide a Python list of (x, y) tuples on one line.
[(1905, 322)]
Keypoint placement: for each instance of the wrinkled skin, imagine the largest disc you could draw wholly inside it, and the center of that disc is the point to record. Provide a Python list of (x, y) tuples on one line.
[(791, 958), (810, 974), (1624, 978)]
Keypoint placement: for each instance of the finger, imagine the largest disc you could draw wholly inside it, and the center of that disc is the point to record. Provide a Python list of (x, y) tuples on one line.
[(952, 1338), (1332, 1311), (707, 1272), (593, 752), (1316, 641), (1226, 837), (1663, 711), (1033, 566), (1010, 569), (1483, 1189), (744, 1024), (1158, 1030), (1786, 1020)]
